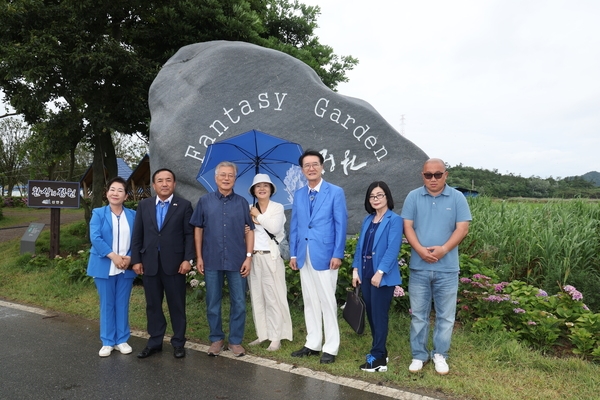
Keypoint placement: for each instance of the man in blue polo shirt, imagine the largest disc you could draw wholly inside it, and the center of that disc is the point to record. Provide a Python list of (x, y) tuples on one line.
[(223, 249), (436, 220)]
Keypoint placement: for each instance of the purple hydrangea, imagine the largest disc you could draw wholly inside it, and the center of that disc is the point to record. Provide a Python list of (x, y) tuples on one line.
[(496, 299), (500, 286), (465, 280), (480, 276), (531, 323), (398, 291), (518, 311), (574, 293), (542, 293)]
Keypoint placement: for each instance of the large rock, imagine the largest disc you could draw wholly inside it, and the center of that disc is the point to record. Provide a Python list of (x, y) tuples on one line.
[(212, 91)]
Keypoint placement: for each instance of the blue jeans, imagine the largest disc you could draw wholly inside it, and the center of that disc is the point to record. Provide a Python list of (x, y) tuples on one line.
[(423, 287), (237, 298)]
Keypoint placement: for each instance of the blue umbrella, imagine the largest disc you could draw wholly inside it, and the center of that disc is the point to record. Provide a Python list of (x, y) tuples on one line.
[(256, 152)]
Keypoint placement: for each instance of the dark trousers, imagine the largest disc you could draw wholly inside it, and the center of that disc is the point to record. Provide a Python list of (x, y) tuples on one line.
[(155, 288), (377, 302)]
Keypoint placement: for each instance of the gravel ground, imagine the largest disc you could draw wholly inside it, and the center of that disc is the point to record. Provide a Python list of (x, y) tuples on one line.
[(29, 215)]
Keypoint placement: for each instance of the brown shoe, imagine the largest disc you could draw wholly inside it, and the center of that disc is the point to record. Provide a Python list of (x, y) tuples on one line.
[(215, 348), (237, 350)]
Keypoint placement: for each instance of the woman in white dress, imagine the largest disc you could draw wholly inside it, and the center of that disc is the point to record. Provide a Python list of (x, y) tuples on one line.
[(268, 290)]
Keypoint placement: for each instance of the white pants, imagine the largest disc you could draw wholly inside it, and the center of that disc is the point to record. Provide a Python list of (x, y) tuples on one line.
[(268, 293), (320, 308)]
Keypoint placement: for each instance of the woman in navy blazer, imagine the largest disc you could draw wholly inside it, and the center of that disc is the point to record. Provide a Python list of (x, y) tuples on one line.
[(111, 228), (376, 266)]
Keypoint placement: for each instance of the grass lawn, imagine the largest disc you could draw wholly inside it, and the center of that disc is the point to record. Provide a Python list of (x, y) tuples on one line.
[(482, 366)]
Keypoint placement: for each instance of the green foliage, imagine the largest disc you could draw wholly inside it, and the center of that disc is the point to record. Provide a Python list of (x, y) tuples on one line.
[(541, 244), (10, 201), (495, 184), (74, 268), (196, 283), (528, 313)]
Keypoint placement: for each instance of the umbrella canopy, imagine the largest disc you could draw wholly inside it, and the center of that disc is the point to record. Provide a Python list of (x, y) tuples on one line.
[(256, 152)]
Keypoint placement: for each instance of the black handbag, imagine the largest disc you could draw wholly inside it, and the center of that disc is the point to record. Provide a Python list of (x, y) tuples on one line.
[(354, 311)]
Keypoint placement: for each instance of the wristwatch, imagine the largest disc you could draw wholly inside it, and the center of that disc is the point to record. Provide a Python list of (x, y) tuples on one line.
[(248, 254)]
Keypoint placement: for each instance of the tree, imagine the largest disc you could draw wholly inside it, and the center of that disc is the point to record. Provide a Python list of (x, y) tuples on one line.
[(13, 134), (83, 68)]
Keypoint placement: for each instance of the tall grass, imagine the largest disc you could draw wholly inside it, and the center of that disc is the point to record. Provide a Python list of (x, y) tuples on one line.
[(545, 244)]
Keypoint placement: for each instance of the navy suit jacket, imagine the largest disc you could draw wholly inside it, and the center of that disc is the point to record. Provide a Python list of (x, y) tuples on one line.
[(176, 237), (101, 236), (324, 231)]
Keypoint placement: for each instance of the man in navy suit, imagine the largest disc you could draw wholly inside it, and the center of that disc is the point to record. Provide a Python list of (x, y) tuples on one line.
[(162, 249), (317, 243)]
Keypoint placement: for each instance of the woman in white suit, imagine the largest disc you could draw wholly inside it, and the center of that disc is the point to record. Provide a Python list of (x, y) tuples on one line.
[(111, 228), (268, 291)]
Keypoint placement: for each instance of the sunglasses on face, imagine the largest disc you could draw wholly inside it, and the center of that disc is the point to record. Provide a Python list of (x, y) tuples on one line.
[(437, 175)]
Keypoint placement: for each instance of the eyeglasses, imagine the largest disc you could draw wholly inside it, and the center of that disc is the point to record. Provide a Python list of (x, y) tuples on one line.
[(378, 196), (309, 166), (437, 175), (223, 175)]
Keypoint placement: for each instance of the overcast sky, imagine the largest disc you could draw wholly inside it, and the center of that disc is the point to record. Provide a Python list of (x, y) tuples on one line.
[(512, 85)]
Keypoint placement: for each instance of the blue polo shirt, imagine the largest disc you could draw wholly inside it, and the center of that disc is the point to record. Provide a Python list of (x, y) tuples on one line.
[(223, 219), (434, 221)]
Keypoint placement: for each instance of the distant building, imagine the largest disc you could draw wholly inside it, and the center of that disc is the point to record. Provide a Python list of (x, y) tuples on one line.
[(467, 192), (87, 179)]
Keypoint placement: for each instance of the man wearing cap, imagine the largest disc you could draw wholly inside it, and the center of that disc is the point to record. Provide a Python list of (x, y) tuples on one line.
[(224, 249), (317, 243)]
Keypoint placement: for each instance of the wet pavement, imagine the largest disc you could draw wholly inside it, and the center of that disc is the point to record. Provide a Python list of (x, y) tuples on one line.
[(49, 356)]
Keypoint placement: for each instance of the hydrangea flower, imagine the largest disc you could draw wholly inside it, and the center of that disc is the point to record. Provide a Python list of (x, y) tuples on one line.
[(465, 280), (500, 286), (574, 293), (542, 293), (531, 323), (496, 299), (519, 311), (194, 283), (398, 291)]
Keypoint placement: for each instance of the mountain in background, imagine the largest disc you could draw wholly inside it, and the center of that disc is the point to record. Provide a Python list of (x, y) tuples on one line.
[(593, 176), (494, 184)]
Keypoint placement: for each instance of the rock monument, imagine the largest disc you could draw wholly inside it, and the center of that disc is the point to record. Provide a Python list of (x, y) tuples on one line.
[(213, 91)]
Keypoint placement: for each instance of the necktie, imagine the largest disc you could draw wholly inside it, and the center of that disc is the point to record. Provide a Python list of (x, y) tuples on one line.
[(162, 210), (313, 195)]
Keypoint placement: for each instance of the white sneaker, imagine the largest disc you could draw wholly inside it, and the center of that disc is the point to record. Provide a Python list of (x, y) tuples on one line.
[(124, 348), (441, 366), (415, 366), (105, 351)]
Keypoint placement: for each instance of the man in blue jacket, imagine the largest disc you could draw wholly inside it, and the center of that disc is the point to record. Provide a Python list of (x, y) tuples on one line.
[(317, 243)]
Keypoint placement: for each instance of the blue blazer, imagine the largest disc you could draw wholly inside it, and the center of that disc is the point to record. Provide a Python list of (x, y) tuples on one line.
[(324, 231), (386, 246), (101, 236)]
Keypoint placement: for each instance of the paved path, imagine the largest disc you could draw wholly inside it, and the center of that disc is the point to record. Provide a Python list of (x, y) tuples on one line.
[(41, 216), (49, 356)]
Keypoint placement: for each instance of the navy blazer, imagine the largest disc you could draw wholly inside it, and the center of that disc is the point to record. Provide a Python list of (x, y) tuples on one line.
[(176, 237), (324, 231), (101, 236), (386, 247)]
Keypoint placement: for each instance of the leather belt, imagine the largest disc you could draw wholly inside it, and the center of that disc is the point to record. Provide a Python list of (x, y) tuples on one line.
[(261, 252)]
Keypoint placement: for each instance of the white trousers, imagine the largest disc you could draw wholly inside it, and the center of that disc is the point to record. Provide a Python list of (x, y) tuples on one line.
[(268, 293), (320, 308)]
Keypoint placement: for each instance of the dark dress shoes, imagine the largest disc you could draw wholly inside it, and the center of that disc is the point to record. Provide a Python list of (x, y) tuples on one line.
[(304, 352), (179, 352), (147, 352), (327, 358)]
